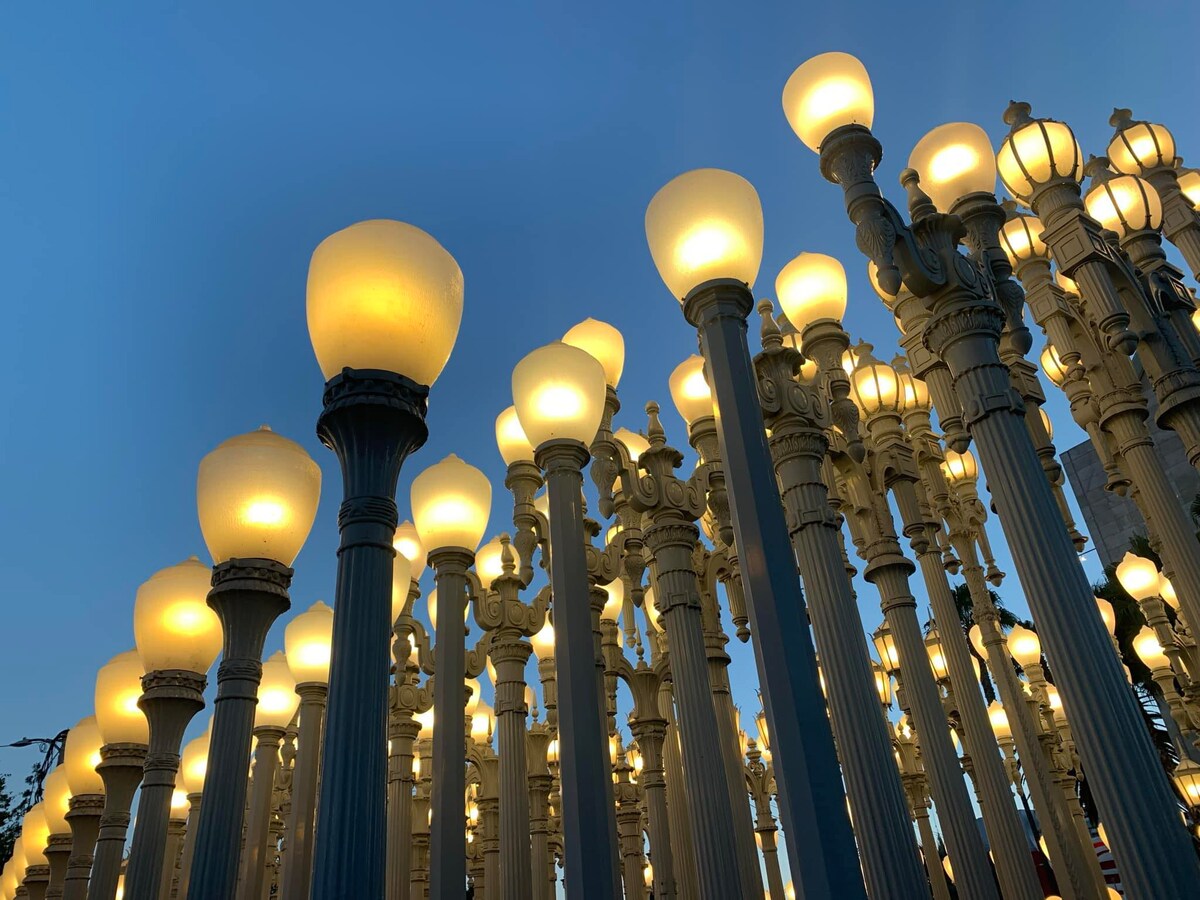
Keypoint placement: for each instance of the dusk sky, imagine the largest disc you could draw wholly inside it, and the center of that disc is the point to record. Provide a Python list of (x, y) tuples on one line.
[(168, 169)]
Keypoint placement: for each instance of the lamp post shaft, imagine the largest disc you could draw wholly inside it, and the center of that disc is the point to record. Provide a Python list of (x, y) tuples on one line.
[(297, 864), (170, 699), (509, 656), (175, 833), (403, 730), (84, 819), (770, 854), (372, 420), (248, 595), (258, 815), (821, 847), (590, 851), (121, 769), (680, 821), (58, 849), (189, 845), (650, 733)]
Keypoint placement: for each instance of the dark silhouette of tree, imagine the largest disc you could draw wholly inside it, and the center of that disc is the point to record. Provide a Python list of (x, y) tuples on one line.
[(10, 821), (966, 618)]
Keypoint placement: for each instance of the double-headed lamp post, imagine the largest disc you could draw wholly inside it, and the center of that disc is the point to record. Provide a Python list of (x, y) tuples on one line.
[(830, 105), (87, 800), (256, 496), (559, 394), (705, 231), (384, 305), (451, 501), (178, 638)]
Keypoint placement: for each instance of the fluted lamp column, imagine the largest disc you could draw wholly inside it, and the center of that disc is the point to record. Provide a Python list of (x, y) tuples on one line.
[(256, 497), (125, 735), (559, 393), (56, 803), (705, 231), (87, 801), (192, 770), (178, 638)]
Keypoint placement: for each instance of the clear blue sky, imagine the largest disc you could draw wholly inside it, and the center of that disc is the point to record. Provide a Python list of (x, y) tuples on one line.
[(167, 169)]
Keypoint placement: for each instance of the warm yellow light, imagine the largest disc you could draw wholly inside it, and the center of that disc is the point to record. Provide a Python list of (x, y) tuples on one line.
[(634, 442), (401, 583), (559, 394), (257, 496), (1138, 576), (1140, 146), (975, 636), (702, 225), (194, 762), (616, 599), (1056, 704), (914, 393), (876, 386), (173, 626), (953, 161), (118, 687), (543, 641), (1108, 615), (489, 561), (960, 468), (482, 723), (510, 438), (1021, 238), (384, 295), (476, 697), (35, 833), (408, 544), (690, 391), (885, 646), (883, 683), (603, 342), (1046, 423), (999, 719), (277, 698), (1149, 650), (1187, 777), (1189, 185), (1125, 204), (425, 719), (1053, 366), (1038, 153), (82, 756), (937, 659), (650, 607), (648, 876), (306, 642), (56, 801), (1025, 646), (825, 93), (552, 753), (1166, 591), (431, 606), (451, 501), (811, 288)]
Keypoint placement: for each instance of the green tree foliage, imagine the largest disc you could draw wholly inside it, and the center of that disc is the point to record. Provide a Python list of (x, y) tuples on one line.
[(966, 618), (10, 821)]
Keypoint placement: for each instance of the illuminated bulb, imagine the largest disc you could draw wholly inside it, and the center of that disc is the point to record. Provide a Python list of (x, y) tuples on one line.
[(1021, 238), (999, 719), (559, 393), (1138, 576), (451, 501), (634, 442), (489, 561), (690, 391), (960, 468), (408, 544), (510, 438), (1025, 646), (277, 697), (602, 341), (812, 288), (825, 93), (954, 161), (1146, 645), (1108, 615), (616, 598)]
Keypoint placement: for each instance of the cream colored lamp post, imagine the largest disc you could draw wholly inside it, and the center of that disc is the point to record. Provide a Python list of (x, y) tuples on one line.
[(705, 232), (125, 735), (257, 496), (384, 304), (178, 638), (451, 501), (81, 757), (559, 393), (192, 770), (306, 642), (35, 833), (56, 803)]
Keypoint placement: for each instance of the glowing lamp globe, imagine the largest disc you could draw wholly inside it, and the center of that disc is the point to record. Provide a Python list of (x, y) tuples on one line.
[(1140, 146), (1125, 204), (812, 288), (1046, 423), (306, 642), (914, 393), (118, 688), (1187, 778), (482, 723), (889, 299), (401, 583), (194, 762), (937, 658), (559, 393), (81, 757), (1053, 366), (1025, 646), (603, 342), (616, 598), (1189, 186), (1108, 615), (953, 161), (999, 720), (510, 438), (1037, 153), (650, 607), (876, 386), (690, 391), (703, 225), (1149, 650), (634, 442), (960, 468), (543, 642), (179, 806), (451, 501), (1021, 238), (476, 689), (489, 560), (56, 800), (277, 697), (383, 295), (825, 93), (1138, 576), (35, 834), (173, 626), (885, 646), (408, 544), (425, 720), (975, 636), (1166, 591), (883, 683), (257, 496)]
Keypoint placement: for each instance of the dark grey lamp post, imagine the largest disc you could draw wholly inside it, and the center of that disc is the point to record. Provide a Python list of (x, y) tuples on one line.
[(384, 304), (87, 801)]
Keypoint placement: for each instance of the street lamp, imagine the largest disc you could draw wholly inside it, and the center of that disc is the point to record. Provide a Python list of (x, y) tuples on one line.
[(705, 233), (450, 502), (256, 497), (559, 392), (56, 803), (384, 303), (81, 757), (125, 735), (178, 638), (192, 769), (35, 832)]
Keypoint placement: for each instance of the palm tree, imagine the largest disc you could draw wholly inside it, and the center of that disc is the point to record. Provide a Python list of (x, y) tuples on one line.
[(966, 618)]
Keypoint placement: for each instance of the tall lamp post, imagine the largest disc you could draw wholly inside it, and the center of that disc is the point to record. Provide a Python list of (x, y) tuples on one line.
[(964, 330), (256, 495), (178, 638), (451, 501), (86, 803), (704, 229), (192, 770), (125, 734), (35, 832), (559, 393), (56, 802), (384, 304)]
